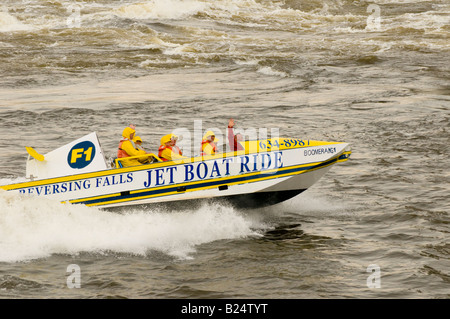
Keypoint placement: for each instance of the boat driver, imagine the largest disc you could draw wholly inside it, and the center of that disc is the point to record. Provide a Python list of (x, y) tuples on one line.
[(234, 140)]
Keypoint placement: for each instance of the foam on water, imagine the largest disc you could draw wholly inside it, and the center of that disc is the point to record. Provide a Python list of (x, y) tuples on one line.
[(9, 23), (32, 228), (312, 202), (161, 9), (267, 70)]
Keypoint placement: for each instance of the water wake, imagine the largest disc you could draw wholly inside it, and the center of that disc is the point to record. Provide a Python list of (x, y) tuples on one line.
[(32, 228)]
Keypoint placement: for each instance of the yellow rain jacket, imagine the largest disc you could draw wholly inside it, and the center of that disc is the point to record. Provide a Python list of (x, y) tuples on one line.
[(169, 153), (127, 149), (208, 148), (140, 150)]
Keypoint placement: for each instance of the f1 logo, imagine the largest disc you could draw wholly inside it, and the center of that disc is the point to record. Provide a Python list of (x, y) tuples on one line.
[(81, 155)]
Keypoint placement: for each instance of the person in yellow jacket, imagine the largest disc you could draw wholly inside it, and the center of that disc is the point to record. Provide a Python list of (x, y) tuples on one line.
[(169, 151), (138, 145), (209, 146), (127, 149)]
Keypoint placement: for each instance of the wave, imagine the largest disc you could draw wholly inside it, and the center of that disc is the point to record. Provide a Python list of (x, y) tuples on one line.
[(33, 228), (267, 37), (267, 70), (161, 9), (9, 23), (287, 16)]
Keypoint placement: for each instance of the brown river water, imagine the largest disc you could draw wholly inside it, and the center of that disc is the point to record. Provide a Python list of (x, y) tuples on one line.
[(374, 74)]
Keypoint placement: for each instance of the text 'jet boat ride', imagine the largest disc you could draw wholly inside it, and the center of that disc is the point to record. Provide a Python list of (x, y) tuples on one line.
[(265, 172)]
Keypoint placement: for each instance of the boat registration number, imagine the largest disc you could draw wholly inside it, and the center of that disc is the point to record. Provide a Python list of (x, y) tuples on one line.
[(276, 143)]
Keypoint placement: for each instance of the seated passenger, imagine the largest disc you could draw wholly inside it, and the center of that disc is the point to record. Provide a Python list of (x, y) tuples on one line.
[(209, 146), (126, 147), (169, 151), (138, 145), (233, 140)]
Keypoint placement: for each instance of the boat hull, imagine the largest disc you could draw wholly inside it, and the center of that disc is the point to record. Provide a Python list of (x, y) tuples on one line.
[(241, 202)]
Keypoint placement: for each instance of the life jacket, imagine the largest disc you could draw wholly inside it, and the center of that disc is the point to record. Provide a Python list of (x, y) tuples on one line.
[(213, 145), (161, 149), (174, 149), (122, 153)]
